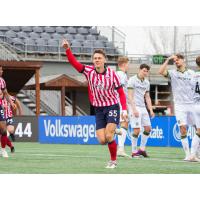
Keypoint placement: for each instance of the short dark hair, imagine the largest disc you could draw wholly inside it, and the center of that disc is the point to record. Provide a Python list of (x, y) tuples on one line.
[(198, 61), (180, 56), (100, 51), (142, 66)]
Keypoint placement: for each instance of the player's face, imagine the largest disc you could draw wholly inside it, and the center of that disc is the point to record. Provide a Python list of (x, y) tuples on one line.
[(178, 62), (98, 60), (125, 65), (1, 71), (144, 72)]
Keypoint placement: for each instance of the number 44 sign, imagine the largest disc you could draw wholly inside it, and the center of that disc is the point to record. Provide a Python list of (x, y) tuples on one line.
[(23, 129)]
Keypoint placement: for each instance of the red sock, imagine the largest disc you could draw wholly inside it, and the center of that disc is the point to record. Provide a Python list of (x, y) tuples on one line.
[(9, 143), (113, 150), (3, 141)]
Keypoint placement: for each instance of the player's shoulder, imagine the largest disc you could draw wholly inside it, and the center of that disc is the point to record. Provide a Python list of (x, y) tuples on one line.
[(89, 67), (146, 81), (190, 71)]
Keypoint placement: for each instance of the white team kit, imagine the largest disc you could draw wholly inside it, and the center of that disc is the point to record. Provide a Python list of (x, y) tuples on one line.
[(140, 87), (196, 97), (183, 95), (124, 82)]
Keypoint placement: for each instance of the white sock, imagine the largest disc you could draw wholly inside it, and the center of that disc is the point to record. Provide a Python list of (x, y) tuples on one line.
[(195, 145), (122, 138), (185, 145), (143, 143), (134, 144)]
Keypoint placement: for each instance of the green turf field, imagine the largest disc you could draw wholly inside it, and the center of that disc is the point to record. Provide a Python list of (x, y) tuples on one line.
[(34, 158)]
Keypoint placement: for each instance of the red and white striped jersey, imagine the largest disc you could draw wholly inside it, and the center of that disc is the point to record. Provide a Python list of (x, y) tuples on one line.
[(2, 87), (7, 107), (102, 86)]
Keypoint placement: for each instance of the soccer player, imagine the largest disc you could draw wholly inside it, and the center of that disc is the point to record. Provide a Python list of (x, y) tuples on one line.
[(196, 95), (3, 128), (183, 99), (122, 131), (138, 93), (103, 82)]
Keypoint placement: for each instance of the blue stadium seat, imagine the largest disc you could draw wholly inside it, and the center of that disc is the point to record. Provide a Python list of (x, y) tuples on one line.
[(76, 46), (91, 37), (82, 30), (49, 29), (22, 34), (10, 34), (88, 47), (34, 35), (53, 46), (93, 31), (15, 28), (37, 29), (27, 29), (99, 44), (45, 35), (68, 37), (60, 29), (79, 37), (57, 36), (71, 30), (41, 45), (30, 45)]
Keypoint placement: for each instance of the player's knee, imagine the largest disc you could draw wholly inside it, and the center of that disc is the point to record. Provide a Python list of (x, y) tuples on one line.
[(109, 136), (183, 130), (147, 130), (136, 131)]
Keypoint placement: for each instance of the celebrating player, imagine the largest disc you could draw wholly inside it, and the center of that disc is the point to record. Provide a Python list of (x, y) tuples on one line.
[(103, 82), (183, 99), (138, 93), (122, 73), (196, 95)]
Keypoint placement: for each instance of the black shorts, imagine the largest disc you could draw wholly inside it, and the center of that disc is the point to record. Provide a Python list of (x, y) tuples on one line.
[(2, 118), (107, 114), (9, 121)]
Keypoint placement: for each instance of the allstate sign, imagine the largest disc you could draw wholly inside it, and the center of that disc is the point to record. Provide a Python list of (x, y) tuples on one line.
[(67, 130)]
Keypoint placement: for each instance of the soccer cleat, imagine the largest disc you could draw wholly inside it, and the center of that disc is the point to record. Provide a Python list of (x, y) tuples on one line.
[(4, 153), (142, 153), (194, 159), (12, 136), (111, 164), (135, 155), (187, 158), (12, 149), (121, 152)]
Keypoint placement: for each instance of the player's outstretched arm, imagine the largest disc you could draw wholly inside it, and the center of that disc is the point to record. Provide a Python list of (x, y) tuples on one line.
[(163, 68), (77, 65)]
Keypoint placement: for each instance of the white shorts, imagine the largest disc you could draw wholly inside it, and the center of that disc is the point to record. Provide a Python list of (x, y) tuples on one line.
[(197, 115), (142, 120), (184, 114)]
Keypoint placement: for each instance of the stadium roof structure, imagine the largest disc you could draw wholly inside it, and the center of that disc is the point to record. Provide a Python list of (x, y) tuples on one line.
[(60, 82), (17, 73)]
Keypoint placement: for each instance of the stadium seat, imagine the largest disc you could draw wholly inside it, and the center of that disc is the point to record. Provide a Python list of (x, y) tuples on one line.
[(71, 30), (30, 44), (4, 28), (68, 37), (88, 47), (57, 36), (82, 30), (18, 43), (79, 37), (102, 38), (93, 31), (37, 29), (49, 29), (60, 29), (110, 49), (91, 37), (45, 35), (53, 45), (98, 44), (34, 35), (22, 34), (41, 45), (15, 28), (10, 34), (27, 29), (76, 46)]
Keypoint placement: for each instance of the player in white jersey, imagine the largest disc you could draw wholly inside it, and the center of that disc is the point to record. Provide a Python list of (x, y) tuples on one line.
[(183, 99), (196, 95), (138, 93), (122, 73)]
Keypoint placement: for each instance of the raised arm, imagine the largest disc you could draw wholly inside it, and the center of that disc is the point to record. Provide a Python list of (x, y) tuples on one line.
[(77, 65), (163, 68)]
